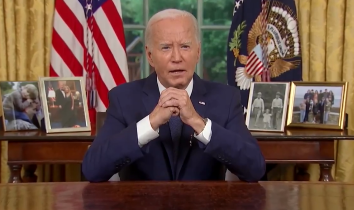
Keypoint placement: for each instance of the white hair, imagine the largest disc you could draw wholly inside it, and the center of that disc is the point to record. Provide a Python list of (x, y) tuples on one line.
[(170, 14)]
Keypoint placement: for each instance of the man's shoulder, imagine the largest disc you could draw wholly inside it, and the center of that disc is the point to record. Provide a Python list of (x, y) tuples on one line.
[(15, 94)]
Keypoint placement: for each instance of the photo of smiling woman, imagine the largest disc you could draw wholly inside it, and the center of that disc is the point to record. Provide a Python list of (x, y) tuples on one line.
[(21, 107)]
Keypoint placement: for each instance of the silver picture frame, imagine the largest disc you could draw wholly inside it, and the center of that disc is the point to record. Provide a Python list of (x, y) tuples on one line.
[(65, 106), (267, 106)]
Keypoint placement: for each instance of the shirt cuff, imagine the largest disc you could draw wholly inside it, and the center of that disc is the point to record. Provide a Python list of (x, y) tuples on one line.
[(205, 135), (145, 131)]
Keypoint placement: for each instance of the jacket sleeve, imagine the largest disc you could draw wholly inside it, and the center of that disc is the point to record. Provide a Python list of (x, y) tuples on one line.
[(235, 147), (115, 146)]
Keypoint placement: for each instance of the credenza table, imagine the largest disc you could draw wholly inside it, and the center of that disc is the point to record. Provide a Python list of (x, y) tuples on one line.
[(150, 195), (299, 146)]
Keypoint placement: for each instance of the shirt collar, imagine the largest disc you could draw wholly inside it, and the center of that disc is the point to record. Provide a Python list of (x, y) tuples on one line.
[(188, 89)]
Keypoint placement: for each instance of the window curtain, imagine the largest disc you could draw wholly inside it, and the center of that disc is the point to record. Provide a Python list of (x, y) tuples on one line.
[(25, 39), (326, 33)]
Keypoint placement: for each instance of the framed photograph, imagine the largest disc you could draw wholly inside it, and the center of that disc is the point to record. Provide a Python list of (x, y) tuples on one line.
[(21, 105), (267, 106), (317, 104), (64, 104)]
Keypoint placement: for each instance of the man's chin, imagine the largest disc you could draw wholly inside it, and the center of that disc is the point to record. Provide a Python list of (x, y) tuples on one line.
[(180, 83)]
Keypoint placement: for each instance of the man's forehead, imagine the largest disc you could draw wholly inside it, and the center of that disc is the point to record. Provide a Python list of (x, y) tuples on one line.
[(172, 26), (173, 32), (168, 38)]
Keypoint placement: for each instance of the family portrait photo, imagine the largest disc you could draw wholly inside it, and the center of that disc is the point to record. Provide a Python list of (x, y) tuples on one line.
[(267, 106), (21, 105), (64, 102), (317, 104)]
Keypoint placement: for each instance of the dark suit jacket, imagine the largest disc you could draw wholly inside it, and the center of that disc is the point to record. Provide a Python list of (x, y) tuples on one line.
[(59, 97), (115, 148)]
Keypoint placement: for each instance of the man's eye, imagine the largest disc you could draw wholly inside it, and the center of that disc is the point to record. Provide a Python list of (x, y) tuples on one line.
[(185, 46), (165, 48)]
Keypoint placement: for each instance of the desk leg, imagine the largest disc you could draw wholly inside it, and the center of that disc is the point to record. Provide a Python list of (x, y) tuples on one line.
[(15, 176), (325, 172), (29, 175)]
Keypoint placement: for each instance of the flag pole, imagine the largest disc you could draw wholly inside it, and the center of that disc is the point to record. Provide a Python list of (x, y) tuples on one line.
[(90, 67), (265, 72)]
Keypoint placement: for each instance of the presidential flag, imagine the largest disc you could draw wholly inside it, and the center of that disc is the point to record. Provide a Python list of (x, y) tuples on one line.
[(263, 44), (88, 40)]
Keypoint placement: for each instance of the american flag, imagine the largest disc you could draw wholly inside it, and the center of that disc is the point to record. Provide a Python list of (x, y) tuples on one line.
[(257, 60), (88, 40), (255, 65)]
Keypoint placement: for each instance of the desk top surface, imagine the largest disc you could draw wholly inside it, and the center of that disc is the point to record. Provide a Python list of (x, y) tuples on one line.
[(290, 135), (177, 195)]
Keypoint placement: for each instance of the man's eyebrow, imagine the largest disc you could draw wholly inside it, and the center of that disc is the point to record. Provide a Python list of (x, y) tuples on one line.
[(169, 44), (165, 44)]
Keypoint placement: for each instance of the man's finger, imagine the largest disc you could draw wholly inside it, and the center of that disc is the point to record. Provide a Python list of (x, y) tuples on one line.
[(170, 93), (174, 111), (174, 91), (166, 98), (171, 103)]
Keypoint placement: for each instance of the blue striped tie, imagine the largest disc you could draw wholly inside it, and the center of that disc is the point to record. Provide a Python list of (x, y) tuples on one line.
[(176, 124)]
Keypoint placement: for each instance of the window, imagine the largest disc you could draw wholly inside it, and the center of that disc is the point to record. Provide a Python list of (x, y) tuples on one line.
[(214, 18)]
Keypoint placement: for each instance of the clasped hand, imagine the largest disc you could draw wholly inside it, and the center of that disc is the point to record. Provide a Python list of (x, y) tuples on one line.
[(174, 102)]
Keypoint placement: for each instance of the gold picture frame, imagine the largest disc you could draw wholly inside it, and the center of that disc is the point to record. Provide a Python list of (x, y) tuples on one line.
[(64, 104), (317, 105), (267, 106), (21, 107)]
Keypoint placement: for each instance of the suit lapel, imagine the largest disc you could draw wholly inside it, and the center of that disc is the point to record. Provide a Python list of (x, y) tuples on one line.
[(150, 99), (152, 94), (198, 99)]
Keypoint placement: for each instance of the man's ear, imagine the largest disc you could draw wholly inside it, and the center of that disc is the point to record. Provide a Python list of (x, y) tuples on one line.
[(149, 56), (198, 51)]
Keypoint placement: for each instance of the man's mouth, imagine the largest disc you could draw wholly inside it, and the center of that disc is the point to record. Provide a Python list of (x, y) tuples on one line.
[(177, 71)]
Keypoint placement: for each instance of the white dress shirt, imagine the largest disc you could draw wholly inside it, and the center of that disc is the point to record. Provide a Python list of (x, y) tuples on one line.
[(277, 103), (146, 132), (258, 103)]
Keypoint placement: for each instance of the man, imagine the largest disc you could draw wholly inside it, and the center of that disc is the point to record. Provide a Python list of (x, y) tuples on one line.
[(258, 107), (306, 95), (325, 94), (277, 107), (320, 94), (321, 109), (173, 125), (59, 93), (307, 109), (60, 101)]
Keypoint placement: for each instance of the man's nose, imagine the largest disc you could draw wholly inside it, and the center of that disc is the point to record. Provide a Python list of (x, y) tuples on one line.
[(176, 55)]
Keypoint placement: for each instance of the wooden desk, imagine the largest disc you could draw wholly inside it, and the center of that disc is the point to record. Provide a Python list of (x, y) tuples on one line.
[(292, 146), (177, 195)]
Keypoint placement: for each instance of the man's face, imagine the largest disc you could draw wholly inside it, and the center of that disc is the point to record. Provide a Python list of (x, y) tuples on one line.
[(173, 51), (61, 84), (25, 94)]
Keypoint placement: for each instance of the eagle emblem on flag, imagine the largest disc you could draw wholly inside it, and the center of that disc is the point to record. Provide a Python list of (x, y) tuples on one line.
[(272, 43)]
